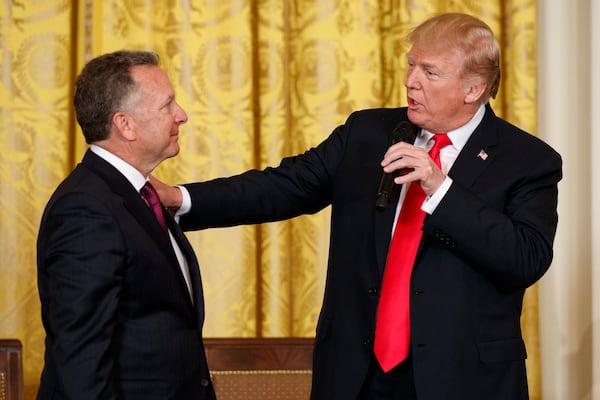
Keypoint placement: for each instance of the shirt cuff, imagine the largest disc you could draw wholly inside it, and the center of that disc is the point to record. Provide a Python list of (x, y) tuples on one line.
[(186, 203), (431, 202)]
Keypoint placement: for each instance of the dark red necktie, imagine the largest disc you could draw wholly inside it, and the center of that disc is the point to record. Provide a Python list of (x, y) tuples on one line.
[(392, 330), (149, 193)]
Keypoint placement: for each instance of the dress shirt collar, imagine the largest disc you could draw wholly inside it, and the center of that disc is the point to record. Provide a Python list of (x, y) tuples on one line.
[(131, 174), (458, 136)]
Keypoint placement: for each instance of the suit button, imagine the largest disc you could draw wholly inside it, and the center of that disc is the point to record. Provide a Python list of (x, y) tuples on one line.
[(372, 291), (367, 341), (204, 382)]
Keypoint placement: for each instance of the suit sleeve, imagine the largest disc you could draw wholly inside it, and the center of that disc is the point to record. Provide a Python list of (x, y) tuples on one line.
[(82, 254), (299, 185)]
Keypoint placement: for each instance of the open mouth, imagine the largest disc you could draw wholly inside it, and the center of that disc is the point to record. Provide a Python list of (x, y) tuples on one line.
[(413, 103)]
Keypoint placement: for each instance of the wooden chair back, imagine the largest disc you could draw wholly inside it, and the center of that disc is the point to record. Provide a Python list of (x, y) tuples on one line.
[(260, 368), (11, 369)]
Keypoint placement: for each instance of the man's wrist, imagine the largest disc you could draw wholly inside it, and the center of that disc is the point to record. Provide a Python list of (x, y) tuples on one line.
[(186, 201)]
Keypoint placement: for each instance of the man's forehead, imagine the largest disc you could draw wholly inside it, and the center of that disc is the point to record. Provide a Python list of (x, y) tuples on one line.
[(432, 54)]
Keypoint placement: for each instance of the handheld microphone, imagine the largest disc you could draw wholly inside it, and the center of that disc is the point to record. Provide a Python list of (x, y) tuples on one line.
[(405, 131)]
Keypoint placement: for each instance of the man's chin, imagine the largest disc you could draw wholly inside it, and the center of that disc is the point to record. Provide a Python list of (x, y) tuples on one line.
[(414, 117), (173, 151)]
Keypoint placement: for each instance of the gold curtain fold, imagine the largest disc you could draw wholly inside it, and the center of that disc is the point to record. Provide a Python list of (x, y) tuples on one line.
[(35, 152), (260, 80)]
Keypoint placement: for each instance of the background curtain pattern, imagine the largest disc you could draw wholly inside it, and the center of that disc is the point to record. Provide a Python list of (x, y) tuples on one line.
[(259, 80)]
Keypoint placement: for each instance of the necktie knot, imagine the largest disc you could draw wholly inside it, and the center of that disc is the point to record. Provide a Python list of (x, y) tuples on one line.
[(440, 140), (151, 196)]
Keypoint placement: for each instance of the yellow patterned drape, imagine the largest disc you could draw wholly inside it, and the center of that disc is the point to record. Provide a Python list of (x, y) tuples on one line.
[(260, 80)]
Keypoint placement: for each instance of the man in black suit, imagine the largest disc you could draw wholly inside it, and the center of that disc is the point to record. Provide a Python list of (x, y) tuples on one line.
[(121, 296), (487, 235)]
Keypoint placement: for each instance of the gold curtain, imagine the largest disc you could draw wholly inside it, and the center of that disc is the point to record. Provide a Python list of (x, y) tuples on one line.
[(260, 80)]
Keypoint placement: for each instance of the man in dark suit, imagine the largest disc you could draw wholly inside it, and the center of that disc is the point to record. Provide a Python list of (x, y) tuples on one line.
[(121, 296), (487, 236)]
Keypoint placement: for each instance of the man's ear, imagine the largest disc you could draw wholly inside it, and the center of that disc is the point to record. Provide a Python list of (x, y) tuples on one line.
[(474, 92), (124, 124)]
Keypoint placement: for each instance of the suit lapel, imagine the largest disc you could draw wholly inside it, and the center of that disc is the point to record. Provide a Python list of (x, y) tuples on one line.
[(132, 200), (478, 153), (134, 203)]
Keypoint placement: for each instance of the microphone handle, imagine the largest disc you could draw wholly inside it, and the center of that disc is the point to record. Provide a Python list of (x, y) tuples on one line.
[(403, 132), (383, 196)]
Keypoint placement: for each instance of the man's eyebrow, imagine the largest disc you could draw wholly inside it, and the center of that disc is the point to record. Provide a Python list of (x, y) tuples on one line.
[(429, 65), (168, 100)]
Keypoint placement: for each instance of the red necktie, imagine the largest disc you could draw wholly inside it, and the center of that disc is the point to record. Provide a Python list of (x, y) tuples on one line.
[(149, 193), (392, 331)]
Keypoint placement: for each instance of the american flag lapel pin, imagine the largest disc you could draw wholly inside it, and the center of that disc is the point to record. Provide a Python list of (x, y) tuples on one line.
[(482, 154)]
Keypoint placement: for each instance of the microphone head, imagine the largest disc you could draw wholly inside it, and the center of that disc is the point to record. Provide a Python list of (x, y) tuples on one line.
[(405, 131)]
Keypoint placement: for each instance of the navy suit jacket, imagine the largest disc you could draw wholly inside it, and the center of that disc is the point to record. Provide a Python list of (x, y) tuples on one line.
[(488, 240), (119, 319)]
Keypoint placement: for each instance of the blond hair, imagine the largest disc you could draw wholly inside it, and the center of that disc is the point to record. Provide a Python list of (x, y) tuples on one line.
[(470, 36)]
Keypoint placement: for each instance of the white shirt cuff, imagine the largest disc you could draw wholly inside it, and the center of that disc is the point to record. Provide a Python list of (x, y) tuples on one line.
[(186, 203), (431, 203)]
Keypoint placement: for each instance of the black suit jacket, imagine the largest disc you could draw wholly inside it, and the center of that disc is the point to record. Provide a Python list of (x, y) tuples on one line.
[(119, 319), (488, 240)]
